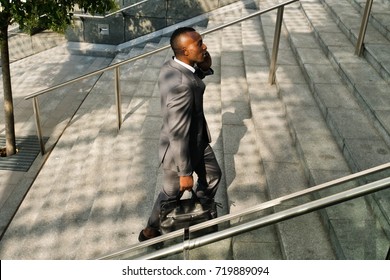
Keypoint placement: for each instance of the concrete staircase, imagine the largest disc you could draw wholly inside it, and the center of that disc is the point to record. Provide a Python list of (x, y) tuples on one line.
[(331, 69), (322, 120)]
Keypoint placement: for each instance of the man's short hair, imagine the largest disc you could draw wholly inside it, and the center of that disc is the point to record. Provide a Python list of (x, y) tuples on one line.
[(175, 36)]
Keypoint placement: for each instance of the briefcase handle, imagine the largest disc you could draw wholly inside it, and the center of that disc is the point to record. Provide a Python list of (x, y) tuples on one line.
[(193, 195)]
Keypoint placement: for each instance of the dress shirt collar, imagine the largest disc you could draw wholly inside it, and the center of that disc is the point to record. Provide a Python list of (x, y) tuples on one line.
[(189, 67)]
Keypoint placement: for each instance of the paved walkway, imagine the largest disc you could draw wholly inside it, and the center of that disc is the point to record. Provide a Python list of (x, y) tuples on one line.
[(30, 75)]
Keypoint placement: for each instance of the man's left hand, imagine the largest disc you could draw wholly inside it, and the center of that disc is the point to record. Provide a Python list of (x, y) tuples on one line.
[(186, 183)]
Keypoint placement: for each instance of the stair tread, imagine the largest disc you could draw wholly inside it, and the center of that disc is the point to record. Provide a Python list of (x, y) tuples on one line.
[(317, 75)]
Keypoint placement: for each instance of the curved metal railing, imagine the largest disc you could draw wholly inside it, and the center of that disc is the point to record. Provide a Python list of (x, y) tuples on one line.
[(299, 210), (271, 219)]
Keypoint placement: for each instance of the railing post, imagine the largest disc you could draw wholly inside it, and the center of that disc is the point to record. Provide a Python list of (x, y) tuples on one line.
[(38, 124), (363, 28), (186, 239), (275, 47), (118, 97)]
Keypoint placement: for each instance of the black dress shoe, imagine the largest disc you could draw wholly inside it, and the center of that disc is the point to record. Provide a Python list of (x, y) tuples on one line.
[(149, 233)]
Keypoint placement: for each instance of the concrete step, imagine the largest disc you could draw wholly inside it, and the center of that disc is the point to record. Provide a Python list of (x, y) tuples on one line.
[(354, 142), (359, 73), (281, 171), (245, 177), (316, 144), (379, 14), (348, 16), (369, 90)]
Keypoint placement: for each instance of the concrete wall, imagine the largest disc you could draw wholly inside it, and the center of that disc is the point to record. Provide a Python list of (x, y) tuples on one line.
[(138, 21), (22, 45)]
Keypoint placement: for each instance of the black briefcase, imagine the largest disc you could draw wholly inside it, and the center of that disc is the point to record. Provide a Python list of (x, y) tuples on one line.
[(182, 213)]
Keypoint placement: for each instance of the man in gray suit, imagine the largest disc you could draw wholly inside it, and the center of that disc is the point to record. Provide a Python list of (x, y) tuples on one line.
[(184, 138)]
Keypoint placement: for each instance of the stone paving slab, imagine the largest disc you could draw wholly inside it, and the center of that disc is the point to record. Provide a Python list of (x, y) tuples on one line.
[(30, 75)]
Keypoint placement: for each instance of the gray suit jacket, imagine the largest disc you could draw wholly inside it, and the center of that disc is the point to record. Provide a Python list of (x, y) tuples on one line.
[(184, 133)]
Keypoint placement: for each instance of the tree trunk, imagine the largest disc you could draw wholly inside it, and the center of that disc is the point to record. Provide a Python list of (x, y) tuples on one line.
[(8, 101)]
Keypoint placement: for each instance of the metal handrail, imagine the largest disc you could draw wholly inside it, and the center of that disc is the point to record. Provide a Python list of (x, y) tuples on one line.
[(272, 219), (95, 73), (363, 28), (228, 217), (111, 14), (116, 66)]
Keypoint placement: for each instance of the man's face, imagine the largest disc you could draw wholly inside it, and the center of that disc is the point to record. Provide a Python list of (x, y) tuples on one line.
[(194, 48)]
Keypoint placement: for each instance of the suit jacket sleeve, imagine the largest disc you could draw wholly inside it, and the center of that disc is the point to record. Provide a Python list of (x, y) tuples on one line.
[(179, 112)]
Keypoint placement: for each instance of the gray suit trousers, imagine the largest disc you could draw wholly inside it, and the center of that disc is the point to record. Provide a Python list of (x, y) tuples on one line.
[(209, 174)]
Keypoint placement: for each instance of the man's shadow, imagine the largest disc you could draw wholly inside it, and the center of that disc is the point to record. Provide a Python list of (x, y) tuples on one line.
[(232, 132)]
